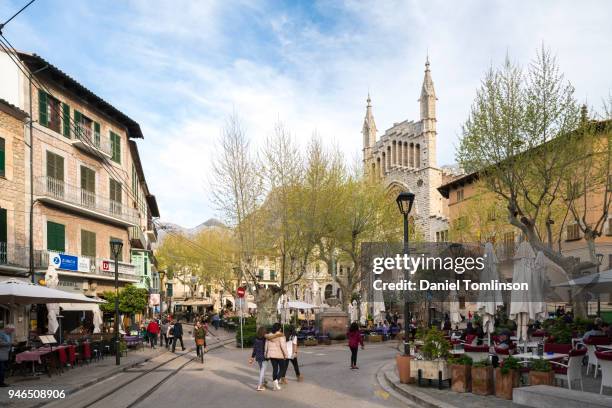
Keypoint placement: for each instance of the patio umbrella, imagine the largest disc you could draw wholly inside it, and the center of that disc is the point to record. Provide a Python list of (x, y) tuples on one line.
[(53, 309), (353, 311), (537, 304), (524, 264), (13, 291), (364, 313), (488, 301), (97, 320), (455, 316), (378, 306), (595, 283)]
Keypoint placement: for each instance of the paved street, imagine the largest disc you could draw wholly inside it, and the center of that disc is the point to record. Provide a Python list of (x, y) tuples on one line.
[(227, 380)]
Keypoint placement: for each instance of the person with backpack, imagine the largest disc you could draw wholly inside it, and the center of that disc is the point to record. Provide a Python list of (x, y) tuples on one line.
[(276, 351), (292, 352), (177, 331), (259, 355), (354, 340)]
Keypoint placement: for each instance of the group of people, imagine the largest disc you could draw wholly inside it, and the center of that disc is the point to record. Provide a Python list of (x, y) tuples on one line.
[(167, 330)]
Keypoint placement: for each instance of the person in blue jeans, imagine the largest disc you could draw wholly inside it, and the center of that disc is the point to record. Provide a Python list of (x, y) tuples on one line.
[(5, 349), (259, 355)]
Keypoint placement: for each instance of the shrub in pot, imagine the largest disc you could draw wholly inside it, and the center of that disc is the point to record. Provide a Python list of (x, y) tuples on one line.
[(431, 360), (482, 378), (461, 373), (507, 377), (541, 373)]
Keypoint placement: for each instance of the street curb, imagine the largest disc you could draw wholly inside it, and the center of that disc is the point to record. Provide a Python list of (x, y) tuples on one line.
[(389, 380)]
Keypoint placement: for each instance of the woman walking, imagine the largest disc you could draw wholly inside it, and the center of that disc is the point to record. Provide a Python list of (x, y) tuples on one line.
[(199, 333), (276, 351), (170, 335), (354, 340), (292, 349), (259, 355)]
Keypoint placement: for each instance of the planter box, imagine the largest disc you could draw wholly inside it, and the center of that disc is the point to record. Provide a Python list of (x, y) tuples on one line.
[(461, 378), (374, 338), (311, 342), (541, 377), (482, 380), (403, 368), (505, 383), (430, 370)]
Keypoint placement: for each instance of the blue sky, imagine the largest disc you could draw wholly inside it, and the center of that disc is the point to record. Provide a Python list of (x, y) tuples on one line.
[(181, 67)]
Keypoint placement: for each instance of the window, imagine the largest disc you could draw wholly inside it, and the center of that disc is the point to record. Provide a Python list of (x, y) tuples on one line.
[(66, 120), (573, 232), (3, 229), (96, 139), (88, 243), (115, 196), (2, 158), (442, 236), (83, 126), (48, 111), (115, 141), (491, 214), (260, 274), (509, 244), (317, 268), (120, 257), (55, 175), (56, 237), (272, 275), (460, 195), (88, 186)]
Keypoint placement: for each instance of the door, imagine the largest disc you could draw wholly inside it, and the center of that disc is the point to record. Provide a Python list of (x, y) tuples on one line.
[(88, 187), (55, 175)]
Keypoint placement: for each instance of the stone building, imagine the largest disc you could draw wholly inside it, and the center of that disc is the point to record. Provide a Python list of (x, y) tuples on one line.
[(88, 181), (404, 159)]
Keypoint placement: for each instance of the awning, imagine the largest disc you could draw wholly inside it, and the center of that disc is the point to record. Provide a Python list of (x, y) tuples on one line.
[(194, 303), (78, 307)]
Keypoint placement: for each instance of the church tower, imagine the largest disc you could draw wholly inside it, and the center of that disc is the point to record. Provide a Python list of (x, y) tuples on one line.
[(428, 117), (369, 133)]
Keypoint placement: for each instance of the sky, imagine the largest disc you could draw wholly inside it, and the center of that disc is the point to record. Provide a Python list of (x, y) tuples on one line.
[(180, 68)]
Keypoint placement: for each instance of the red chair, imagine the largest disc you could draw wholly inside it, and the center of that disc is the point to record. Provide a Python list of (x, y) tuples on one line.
[(86, 352), (476, 353), (539, 334), (62, 357), (72, 356), (571, 371), (503, 353), (557, 348), (469, 339)]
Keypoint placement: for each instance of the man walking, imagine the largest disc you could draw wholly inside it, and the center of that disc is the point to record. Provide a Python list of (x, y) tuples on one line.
[(153, 332), (178, 335), (163, 329), (5, 348)]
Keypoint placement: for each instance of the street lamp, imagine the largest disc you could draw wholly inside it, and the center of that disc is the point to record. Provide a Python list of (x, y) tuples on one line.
[(162, 290), (116, 246), (404, 202), (599, 261)]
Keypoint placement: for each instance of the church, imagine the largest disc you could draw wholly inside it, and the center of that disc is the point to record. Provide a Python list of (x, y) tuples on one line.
[(404, 159)]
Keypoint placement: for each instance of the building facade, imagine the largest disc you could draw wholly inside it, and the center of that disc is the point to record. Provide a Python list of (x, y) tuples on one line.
[(81, 175), (404, 159)]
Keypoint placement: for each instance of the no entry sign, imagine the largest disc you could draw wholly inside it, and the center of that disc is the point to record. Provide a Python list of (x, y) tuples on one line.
[(240, 292)]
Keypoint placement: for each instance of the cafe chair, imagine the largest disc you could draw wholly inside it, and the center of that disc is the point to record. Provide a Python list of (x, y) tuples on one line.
[(605, 362), (476, 353), (572, 371), (591, 344)]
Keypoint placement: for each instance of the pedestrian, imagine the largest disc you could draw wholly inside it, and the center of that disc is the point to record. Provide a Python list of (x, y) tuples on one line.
[(199, 334), (177, 331), (163, 330), (276, 351), (259, 355), (292, 351), (153, 332), (354, 340), (216, 320), (5, 349), (170, 335)]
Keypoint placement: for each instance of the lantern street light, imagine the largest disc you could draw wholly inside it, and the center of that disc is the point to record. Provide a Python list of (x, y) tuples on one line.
[(404, 202), (599, 261), (116, 246)]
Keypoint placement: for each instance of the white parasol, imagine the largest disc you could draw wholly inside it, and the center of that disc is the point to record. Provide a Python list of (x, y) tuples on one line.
[(17, 292), (488, 301), (524, 265)]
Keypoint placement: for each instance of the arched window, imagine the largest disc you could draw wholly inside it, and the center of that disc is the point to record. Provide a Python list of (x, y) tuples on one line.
[(329, 291)]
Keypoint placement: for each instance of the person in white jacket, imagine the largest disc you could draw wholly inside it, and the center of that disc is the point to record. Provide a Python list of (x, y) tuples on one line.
[(292, 355)]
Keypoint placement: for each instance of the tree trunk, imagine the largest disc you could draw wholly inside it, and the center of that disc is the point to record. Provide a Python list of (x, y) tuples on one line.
[(267, 300)]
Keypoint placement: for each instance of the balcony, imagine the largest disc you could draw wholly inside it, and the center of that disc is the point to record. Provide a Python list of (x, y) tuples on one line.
[(137, 238), (61, 194), (151, 232), (92, 143), (18, 257)]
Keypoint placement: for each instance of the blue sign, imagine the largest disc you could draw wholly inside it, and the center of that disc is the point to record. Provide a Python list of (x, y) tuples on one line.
[(65, 262)]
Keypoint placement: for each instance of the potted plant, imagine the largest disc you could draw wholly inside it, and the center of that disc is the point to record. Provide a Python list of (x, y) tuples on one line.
[(507, 377), (461, 373), (311, 341), (541, 373), (403, 367), (432, 363), (482, 377)]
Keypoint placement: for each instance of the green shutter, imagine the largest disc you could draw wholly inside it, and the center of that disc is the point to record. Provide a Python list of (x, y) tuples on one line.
[(56, 237), (2, 157), (43, 114), (3, 225), (88, 179), (66, 120), (88, 243), (115, 147), (97, 134), (55, 166), (77, 123)]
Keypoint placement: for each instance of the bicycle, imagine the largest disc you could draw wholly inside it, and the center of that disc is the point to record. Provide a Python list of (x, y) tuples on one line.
[(201, 349)]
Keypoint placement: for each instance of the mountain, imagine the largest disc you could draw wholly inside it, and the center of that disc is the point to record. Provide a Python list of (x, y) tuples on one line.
[(164, 227)]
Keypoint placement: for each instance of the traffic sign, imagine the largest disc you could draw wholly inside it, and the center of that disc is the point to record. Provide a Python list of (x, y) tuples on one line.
[(240, 292)]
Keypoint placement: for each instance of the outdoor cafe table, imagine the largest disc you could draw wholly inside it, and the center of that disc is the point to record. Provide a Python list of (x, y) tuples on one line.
[(35, 355), (546, 356)]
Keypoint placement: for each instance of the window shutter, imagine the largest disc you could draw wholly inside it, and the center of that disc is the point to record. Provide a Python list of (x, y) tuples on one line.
[(43, 114), (97, 134), (88, 243), (3, 225), (66, 120), (56, 234), (2, 157), (116, 147), (77, 123)]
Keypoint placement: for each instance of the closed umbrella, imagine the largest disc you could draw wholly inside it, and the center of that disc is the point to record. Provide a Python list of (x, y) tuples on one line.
[(537, 304), (13, 291), (524, 265), (488, 301), (378, 306), (354, 311), (97, 319)]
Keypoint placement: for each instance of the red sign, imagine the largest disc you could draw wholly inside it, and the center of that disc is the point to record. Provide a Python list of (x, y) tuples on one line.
[(240, 292), (105, 266)]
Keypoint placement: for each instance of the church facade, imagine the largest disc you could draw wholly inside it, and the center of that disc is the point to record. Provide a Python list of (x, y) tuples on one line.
[(404, 159)]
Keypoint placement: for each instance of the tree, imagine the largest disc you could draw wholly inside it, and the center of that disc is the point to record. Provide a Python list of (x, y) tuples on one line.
[(131, 300)]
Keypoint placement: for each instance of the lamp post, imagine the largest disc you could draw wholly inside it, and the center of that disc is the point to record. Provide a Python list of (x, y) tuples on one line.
[(162, 290), (116, 246), (599, 261), (404, 202)]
